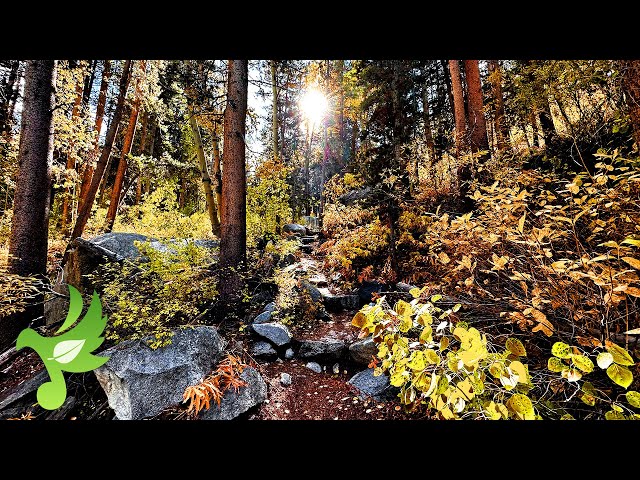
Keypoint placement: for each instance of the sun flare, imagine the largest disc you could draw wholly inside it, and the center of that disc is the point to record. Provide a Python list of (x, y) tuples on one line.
[(314, 105)]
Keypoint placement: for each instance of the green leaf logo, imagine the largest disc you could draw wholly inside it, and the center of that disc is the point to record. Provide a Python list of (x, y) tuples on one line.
[(66, 351)]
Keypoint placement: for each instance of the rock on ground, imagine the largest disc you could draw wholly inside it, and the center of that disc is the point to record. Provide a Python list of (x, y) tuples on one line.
[(371, 386), (314, 366), (295, 228), (314, 292), (264, 317), (263, 350), (235, 403), (362, 351), (285, 379), (338, 302), (275, 332), (326, 349), (141, 382)]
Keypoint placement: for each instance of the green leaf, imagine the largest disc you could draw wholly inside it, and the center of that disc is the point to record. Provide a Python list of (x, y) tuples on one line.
[(561, 350), (633, 398), (75, 308), (67, 350), (588, 399), (582, 363), (620, 355), (604, 359), (555, 365), (613, 415), (515, 346), (620, 375)]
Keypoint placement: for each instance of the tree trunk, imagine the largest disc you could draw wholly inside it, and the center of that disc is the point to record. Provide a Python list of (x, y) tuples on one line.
[(233, 239), (6, 112), (502, 130), (28, 241), (354, 138), (341, 132), (458, 107), (217, 172), (89, 168), (88, 83), (307, 179), (204, 173), (477, 123), (448, 83), (71, 162), (126, 149), (428, 134), (85, 207), (631, 88), (274, 110)]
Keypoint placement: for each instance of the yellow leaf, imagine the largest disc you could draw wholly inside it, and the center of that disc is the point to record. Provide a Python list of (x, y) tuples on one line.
[(620, 355), (582, 363), (516, 347), (444, 258), (561, 350), (519, 369), (604, 359), (555, 364), (425, 336), (633, 291), (521, 222), (634, 262), (432, 357), (620, 375), (631, 241), (633, 398), (417, 361), (522, 405), (361, 321), (403, 308)]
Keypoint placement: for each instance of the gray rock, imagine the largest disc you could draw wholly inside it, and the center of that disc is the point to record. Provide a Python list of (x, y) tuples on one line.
[(307, 240), (337, 303), (336, 368), (275, 332), (120, 245), (295, 228), (270, 307), (285, 379), (362, 351), (141, 382), (263, 350), (355, 195), (314, 292), (312, 222), (404, 287), (370, 386), (288, 259), (314, 366), (264, 317), (235, 403), (326, 349), (289, 354)]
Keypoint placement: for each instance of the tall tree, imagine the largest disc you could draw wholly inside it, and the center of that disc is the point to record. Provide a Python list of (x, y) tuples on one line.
[(85, 206), (204, 173), (30, 223), (102, 101), (428, 134), (233, 238), (458, 107), (477, 123), (631, 88), (502, 130), (116, 193), (274, 110)]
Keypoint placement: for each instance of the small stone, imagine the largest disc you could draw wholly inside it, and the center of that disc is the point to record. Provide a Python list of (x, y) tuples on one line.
[(314, 366), (263, 350), (288, 354), (336, 368), (285, 379), (269, 307)]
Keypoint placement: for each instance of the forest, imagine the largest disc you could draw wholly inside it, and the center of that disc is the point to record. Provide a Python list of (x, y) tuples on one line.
[(319, 239)]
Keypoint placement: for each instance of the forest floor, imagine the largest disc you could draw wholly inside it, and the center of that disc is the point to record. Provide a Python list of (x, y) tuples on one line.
[(309, 396)]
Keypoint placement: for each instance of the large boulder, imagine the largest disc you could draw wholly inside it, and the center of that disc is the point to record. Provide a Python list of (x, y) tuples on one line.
[(235, 403), (325, 350), (141, 382), (362, 351), (367, 289), (295, 229), (86, 255), (314, 292), (355, 195), (336, 303), (275, 332), (369, 385)]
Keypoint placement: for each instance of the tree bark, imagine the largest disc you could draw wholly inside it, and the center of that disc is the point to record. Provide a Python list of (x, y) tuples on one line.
[(204, 173), (477, 123), (85, 208), (428, 134), (28, 241), (458, 107), (233, 239), (274, 110), (88, 83), (501, 128), (6, 112), (126, 149), (217, 172), (448, 83), (631, 88)]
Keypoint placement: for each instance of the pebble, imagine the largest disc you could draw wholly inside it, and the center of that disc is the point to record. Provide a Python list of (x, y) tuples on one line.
[(285, 379), (336, 368), (288, 354), (314, 366)]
